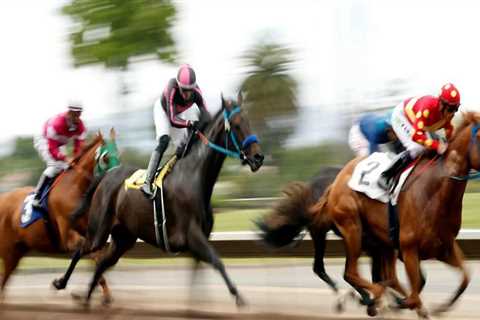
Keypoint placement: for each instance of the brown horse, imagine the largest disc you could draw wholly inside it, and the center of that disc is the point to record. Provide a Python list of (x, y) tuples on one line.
[(429, 209), (289, 216), (53, 234)]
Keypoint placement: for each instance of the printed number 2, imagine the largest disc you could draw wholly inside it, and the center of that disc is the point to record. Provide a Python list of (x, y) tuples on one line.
[(371, 166)]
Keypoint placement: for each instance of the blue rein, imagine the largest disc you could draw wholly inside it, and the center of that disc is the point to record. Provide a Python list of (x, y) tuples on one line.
[(238, 154), (475, 175)]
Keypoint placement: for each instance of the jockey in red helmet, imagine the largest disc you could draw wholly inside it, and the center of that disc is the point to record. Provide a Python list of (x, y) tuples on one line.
[(57, 132), (414, 121), (173, 115)]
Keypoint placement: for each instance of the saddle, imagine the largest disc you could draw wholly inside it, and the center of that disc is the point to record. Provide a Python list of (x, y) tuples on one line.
[(136, 180)]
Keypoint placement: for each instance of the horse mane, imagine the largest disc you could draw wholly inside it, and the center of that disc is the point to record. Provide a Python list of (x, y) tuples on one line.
[(86, 148), (468, 118)]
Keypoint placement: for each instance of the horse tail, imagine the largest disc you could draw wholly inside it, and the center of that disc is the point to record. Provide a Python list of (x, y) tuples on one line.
[(292, 213), (288, 217), (316, 211), (84, 204)]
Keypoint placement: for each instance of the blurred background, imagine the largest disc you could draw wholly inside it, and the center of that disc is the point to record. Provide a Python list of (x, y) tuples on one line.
[(308, 68)]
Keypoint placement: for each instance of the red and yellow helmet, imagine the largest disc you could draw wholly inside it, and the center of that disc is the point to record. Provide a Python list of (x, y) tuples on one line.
[(450, 95)]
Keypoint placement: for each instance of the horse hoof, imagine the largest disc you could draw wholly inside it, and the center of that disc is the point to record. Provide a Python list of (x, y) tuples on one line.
[(440, 309), (240, 301), (372, 310), (339, 307), (107, 301), (422, 313), (80, 299), (59, 284)]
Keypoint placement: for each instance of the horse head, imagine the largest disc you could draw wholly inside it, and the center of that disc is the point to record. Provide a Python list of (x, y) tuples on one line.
[(237, 127), (98, 156)]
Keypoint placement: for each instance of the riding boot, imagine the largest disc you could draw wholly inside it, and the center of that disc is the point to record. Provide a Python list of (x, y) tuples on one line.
[(400, 162), (155, 159), (43, 182)]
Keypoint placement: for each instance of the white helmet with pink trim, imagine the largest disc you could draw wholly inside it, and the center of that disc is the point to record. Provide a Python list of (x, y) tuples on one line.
[(186, 78)]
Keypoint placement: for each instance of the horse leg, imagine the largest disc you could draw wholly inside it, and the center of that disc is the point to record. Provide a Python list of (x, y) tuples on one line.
[(11, 258), (319, 241), (412, 267), (121, 241), (352, 235), (455, 259), (203, 251), (106, 293), (61, 283)]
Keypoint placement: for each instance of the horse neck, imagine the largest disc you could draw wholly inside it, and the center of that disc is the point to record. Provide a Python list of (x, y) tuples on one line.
[(449, 192), (209, 162), (81, 173)]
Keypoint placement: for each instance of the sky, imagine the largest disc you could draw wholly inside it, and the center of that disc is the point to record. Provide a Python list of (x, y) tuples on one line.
[(349, 46)]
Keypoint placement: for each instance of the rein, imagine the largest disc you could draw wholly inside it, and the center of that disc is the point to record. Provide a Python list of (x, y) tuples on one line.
[(239, 153)]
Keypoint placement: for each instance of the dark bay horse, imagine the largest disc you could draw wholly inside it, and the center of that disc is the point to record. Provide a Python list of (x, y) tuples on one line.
[(65, 195), (429, 208), (126, 214), (290, 215)]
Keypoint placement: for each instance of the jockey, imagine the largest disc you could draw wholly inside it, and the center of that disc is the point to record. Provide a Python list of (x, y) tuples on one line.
[(57, 132), (173, 115), (415, 121), (372, 133)]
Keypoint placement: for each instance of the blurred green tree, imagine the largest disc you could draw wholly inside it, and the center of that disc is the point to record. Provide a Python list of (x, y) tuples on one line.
[(110, 32), (270, 93)]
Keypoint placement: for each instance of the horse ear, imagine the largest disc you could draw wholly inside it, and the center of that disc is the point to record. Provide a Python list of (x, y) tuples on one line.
[(223, 100), (113, 133), (239, 97)]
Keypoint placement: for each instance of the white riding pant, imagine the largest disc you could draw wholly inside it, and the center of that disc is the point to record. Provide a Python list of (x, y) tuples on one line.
[(54, 167), (163, 126), (357, 141), (405, 131)]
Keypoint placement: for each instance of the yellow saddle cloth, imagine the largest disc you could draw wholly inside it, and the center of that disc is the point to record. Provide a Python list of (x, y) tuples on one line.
[(137, 179)]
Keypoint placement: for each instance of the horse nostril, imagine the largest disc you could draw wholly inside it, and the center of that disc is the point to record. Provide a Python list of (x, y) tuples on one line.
[(258, 157)]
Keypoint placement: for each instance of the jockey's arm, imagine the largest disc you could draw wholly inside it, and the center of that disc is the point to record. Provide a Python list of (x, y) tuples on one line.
[(54, 150), (448, 130), (174, 120)]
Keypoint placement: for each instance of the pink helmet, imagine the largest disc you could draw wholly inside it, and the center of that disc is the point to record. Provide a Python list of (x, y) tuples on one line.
[(186, 78), (450, 94)]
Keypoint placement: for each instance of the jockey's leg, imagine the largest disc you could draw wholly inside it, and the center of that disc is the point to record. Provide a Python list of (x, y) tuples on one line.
[(400, 162), (43, 182), (155, 159)]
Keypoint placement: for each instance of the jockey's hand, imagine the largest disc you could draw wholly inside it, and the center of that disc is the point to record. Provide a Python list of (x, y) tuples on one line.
[(442, 146), (194, 125)]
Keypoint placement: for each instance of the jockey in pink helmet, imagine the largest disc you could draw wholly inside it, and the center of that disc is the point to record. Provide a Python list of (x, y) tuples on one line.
[(174, 116), (56, 133)]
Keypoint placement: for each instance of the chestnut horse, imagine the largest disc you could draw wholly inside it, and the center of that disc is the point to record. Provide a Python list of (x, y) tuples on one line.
[(429, 209), (66, 193), (289, 216)]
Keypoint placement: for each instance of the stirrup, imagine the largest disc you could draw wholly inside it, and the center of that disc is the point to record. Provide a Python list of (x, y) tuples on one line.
[(148, 191), (36, 203)]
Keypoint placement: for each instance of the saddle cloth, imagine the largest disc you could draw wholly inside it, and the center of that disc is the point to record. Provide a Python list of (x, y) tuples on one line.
[(137, 179), (29, 214), (367, 172)]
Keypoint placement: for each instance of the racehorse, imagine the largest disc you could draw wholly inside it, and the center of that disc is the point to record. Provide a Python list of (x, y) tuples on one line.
[(53, 234), (429, 212), (290, 215), (126, 214)]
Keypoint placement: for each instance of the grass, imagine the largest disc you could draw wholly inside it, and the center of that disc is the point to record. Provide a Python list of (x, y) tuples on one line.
[(239, 220)]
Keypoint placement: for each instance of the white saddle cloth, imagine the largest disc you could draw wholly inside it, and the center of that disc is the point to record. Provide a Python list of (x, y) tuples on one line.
[(367, 172)]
